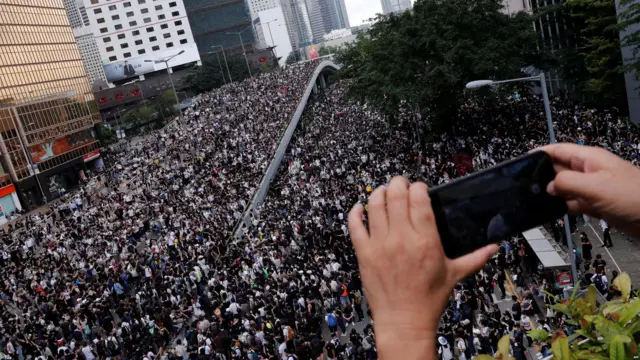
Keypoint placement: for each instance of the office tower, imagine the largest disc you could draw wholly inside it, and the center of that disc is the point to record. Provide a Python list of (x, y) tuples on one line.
[(393, 6), (133, 34), (335, 15), (47, 110), (213, 21), (77, 15), (298, 23)]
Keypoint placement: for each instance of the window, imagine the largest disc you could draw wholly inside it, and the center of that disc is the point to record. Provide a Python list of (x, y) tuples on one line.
[(178, 23), (180, 32), (129, 13), (106, 39), (113, 58), (115, 17), (166, 35), (155, 48), (142, 1), (94, 2), (124, 46), (133, 23), (118, 26), (109, 49), (127, 4), (121, 36), (144, 11), (104, 30), (141, 51), (158, 7), (153, 38), (147, 20), (161, 17), (183, 41), (97, 11), (169, 44), (150, 29), (112, 7), (100, 20), (138, 42), (175, 13), (164, 26), (136, 32), (127, 55), (173, 4)]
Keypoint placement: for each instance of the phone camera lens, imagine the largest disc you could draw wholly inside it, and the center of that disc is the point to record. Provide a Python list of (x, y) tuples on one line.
[(535, 189)]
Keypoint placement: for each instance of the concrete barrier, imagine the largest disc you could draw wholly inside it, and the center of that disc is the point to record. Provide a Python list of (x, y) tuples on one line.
[(272, 170)]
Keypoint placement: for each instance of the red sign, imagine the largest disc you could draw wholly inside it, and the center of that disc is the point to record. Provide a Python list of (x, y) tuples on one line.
[(90, 156), (103, 100), (564, 278), (119, 96), (263, 59), (136, 92)]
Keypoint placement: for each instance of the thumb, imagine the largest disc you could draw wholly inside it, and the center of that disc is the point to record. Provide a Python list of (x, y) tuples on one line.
[(573, 184), (465, 266)]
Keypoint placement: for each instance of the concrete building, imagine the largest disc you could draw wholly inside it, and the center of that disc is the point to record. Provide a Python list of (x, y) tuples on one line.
[(394, 6), (212, 20), (47, 109), (90, 53), (514, 6), (255, 7), (335, 15), (298, 23)]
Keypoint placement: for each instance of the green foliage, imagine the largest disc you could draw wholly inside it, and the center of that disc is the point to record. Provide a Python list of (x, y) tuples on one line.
[(164, 103), (292, 58), (594, 62), (145, 113), (327, 50), (106, 134), (426, 56), (629, 17), (132, 117), (209, 76)]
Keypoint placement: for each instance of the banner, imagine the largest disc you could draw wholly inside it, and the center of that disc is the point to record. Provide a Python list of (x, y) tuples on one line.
[(49, 149), (141, 65)]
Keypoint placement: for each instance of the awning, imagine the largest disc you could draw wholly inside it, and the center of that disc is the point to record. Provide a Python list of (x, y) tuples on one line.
[(545, 251)]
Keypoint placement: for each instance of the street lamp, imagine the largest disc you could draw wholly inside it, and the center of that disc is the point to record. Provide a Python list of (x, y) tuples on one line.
[(552, 139), (239, 33), (166, 60), (225, 61), (273, 43)]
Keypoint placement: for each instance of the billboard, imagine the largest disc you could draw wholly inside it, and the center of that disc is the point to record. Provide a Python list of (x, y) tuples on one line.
[(312, 52), (143, 64), (53, 148)]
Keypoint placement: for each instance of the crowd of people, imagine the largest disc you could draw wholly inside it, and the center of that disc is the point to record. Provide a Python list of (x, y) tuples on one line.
[(149, 267)]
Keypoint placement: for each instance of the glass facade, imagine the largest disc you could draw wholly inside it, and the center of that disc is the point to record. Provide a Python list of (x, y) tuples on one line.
[(44, 90)]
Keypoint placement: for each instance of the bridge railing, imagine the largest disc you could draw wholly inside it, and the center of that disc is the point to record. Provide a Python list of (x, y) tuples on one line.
[(272, 170)]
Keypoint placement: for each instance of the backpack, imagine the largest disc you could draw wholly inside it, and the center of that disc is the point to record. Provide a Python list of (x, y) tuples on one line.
[(597, 281), (457, 316), (366, 344), (331, 320), (111, 345)]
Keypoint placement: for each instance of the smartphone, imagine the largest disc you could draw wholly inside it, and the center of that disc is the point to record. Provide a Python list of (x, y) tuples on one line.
[(495, 204)]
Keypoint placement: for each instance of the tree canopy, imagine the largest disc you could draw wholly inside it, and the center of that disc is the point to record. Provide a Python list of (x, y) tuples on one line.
[(426, 56), (208, 76)]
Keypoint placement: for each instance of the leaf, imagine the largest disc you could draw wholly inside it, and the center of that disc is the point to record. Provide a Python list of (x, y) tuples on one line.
[(623, 284), (560, 349), (540, 335), (592, 297), (628, 312), (503, 347), (616, 349)]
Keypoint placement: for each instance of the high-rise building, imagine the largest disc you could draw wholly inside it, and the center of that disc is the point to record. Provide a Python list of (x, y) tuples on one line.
[(131, 35), (298, 23), (335, 15), (394, 6), (214, 22), (255, 7), (47, 109)]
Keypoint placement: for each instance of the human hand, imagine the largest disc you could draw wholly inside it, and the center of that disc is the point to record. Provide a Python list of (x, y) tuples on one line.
[(597, 183), (406, 275)]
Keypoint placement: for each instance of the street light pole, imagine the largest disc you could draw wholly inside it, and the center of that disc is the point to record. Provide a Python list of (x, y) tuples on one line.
[(552, 140), (221, 70), (243, 50), (273, 43), (166, 64), (225, 61)]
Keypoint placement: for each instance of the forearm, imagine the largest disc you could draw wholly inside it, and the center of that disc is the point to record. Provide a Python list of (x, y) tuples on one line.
[(398, 345)]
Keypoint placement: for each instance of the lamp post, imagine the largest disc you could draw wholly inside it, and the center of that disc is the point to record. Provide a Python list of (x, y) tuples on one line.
[(552, 139), (225, 61), (273, 43), (166, 60), (239, 33)]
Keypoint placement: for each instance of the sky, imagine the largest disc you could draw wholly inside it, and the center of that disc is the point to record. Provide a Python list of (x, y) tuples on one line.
[(361, 10)]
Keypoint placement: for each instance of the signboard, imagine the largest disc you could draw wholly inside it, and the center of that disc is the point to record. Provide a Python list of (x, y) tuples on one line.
[(141, 65), (312, 52), (53, 148), (90, 156), (564, 279)]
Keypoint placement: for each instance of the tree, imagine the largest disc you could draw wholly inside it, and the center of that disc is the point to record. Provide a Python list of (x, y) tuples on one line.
[(208, 76), (291, 59), (593, 61), (106, 134), (145, 113), (426, 56), (132, 117), (327, 50)]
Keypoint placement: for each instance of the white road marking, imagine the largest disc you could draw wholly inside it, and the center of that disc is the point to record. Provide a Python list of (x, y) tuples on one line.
[(606, 249)]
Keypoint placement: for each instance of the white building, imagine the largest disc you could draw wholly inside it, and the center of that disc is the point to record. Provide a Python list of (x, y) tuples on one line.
[(514, 6), (90, 53), (132, 34), (337, 34), (395, 6), (274, 28)]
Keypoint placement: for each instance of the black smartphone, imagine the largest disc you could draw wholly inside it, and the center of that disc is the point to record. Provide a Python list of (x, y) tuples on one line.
[(495, 204)]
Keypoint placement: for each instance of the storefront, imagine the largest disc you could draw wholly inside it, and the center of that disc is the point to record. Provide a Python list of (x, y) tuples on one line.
[(9, 203)]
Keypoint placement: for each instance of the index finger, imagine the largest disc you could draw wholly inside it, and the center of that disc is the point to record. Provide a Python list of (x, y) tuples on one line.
[(575, 157)]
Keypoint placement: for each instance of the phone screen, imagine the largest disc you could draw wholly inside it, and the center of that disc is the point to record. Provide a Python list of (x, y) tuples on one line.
[(495, 204)]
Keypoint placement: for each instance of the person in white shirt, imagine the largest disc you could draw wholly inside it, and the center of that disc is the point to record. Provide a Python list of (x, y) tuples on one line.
[(606, 234), (88, 354)]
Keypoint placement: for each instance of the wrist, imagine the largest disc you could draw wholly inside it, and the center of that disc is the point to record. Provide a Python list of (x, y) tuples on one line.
[(408, 344)]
